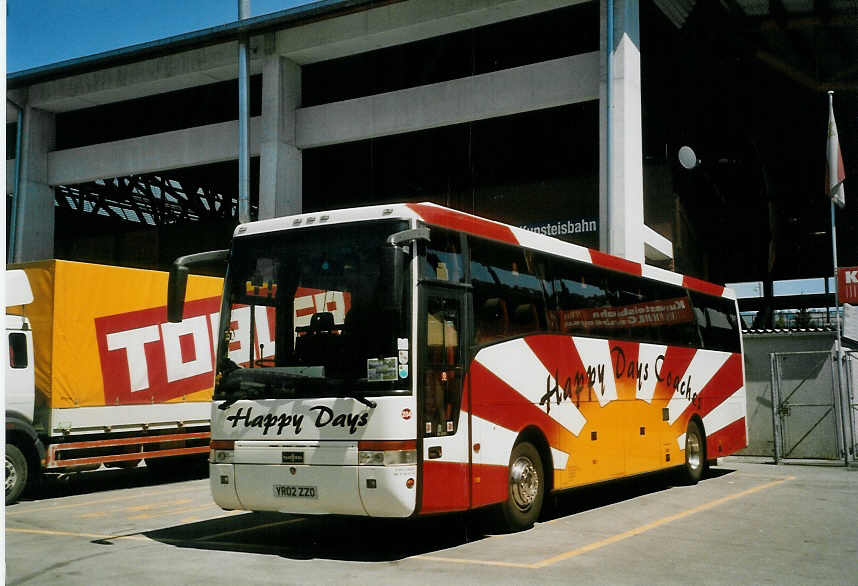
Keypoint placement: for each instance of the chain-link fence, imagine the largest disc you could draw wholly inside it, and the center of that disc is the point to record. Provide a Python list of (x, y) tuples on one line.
[(813, 417)]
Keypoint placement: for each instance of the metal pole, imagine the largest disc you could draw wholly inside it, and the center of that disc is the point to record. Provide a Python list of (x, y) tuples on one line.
[(243, 118), (776, 424), (609, 50), (839, 341), (839, 344), (13, 213)]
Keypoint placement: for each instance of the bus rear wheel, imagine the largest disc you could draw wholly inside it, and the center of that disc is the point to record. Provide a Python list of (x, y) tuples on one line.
[(526, 488), (695, 454)]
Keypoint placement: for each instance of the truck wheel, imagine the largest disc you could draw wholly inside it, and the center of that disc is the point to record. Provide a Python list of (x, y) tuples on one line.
[(695, 454), (16, 473), (526, 488)]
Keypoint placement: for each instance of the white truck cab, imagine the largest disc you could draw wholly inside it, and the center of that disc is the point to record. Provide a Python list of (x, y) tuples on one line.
[(22, 442)]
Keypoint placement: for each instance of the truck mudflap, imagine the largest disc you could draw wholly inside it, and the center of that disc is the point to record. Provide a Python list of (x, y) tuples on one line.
[(313, 477)]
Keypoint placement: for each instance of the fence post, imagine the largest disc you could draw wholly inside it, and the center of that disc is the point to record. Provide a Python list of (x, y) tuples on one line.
[(776, 423)]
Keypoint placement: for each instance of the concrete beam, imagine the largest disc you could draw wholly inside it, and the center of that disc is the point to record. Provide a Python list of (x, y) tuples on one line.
[(521, 89), (169, 150), (656, 247), (388, 25), (151, 76), (552, 83), (399, 22)]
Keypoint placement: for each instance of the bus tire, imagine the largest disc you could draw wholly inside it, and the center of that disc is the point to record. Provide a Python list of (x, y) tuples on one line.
[(525, 488), (17, 473), (695, 454)]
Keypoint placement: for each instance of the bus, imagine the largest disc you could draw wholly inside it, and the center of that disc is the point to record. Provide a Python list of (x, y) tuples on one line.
[(410, 359)]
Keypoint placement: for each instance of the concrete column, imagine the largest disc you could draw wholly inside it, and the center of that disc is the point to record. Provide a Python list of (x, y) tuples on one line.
[(622, 229), (280, 160), (34, 232)]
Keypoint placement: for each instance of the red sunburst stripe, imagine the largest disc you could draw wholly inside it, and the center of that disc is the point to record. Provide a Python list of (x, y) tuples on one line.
[(725, 382), (495, 401), (463, 222), (445, 486), (676, 361), (558, 355), (726, 440), (615, 263), (627, 384), (490, 484), (702, 286)]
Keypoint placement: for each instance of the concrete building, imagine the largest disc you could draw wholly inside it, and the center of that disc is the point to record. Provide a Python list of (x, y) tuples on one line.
[(561, 115)]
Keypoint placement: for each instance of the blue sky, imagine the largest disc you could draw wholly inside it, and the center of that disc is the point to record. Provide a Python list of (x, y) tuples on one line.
[(42, 32)]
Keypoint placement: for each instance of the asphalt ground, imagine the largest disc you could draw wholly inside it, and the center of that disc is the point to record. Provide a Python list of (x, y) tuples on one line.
[(744, 523)]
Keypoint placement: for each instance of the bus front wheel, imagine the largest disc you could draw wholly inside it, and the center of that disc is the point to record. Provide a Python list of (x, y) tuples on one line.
[(526, 488), (695, 454)]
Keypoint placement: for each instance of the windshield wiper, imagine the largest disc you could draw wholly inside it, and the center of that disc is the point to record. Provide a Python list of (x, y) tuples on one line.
[(227, 404), (365, 401)]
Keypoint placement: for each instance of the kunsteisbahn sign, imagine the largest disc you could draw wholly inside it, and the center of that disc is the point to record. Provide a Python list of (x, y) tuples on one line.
[(847, 285)]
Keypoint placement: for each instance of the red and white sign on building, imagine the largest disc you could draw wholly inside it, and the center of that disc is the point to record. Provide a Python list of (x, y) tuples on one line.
[(847, 284)]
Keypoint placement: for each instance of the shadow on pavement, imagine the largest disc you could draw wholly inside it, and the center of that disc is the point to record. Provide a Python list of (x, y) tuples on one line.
[(599, 495), (383, 540), (76, 483), (327, 537)]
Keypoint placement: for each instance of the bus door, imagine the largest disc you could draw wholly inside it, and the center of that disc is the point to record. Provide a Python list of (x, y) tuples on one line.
[(443, 423)]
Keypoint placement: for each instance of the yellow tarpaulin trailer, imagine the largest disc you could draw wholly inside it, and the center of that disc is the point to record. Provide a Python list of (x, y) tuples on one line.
[(110, 370)]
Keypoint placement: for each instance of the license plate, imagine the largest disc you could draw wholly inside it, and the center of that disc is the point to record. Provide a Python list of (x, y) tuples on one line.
[(291, 491)]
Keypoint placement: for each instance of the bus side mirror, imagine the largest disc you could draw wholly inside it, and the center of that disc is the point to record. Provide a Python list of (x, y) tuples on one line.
[(394, 265), (176, 288), (178, 283)]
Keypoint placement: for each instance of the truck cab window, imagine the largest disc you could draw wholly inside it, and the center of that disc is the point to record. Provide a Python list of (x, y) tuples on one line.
[(18, 350)]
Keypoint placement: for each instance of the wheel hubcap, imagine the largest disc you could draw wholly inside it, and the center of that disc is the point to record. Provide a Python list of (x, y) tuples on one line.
[(11, 475), (693, 451), (525, 483)]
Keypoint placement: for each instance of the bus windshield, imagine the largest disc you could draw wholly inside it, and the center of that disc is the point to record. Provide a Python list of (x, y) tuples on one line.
[(305, 317)]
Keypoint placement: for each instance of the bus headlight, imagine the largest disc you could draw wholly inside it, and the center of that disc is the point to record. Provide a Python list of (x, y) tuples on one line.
[(387, 453)]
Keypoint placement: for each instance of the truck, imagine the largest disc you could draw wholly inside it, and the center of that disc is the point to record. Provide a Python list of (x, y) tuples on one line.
[(97, 376)]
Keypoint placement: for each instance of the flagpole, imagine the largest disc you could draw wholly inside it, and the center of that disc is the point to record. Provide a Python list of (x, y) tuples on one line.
[(832, 165)]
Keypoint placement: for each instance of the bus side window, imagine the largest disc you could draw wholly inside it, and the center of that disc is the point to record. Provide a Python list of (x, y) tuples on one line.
[(492, 320), (18, 350), (509, 291), (443, 259), (716, 322)]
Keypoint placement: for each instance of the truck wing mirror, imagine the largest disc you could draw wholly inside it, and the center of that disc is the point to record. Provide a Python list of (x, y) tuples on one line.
[(178, 283)]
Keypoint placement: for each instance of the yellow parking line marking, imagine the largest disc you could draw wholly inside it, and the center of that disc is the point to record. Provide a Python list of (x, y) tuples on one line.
[(156, 505), (169, 512), (234, 531), (433, 558), (658, 523), (614, 538), (93, 502), (72, 534)]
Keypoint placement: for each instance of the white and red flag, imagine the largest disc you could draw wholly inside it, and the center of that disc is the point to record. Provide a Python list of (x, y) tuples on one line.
[(836, 170)]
